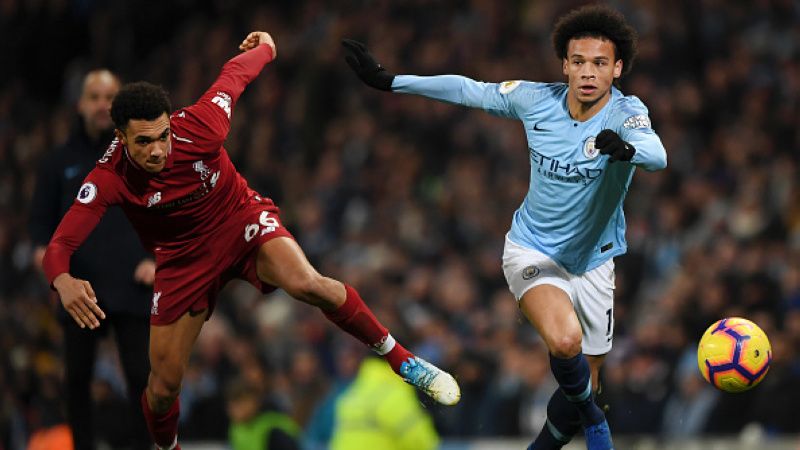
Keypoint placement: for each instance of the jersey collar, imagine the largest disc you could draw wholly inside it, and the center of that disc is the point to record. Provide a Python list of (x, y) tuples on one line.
[(615, 93)]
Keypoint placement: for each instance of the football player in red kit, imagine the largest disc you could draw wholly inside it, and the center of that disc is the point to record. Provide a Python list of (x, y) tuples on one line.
[(175, 182)]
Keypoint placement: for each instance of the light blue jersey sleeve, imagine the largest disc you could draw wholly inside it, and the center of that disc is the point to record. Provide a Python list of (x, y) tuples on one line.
[(508, 99), (629, 119)]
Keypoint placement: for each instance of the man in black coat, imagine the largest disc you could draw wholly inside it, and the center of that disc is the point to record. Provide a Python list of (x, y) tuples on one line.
[(113, 258)]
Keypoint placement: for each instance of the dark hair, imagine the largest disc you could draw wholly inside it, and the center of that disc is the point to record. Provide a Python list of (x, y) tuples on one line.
[(600, 22), (140, 100)]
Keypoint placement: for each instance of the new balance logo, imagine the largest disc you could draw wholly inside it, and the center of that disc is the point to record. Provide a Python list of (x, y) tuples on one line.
[(154, 308)]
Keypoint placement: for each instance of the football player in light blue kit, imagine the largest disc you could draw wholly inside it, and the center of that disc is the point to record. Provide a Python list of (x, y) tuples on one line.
[(585, 138)]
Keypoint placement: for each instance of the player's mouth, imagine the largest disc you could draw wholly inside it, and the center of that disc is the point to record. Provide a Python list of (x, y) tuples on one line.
[(155, 164), (587, 89)]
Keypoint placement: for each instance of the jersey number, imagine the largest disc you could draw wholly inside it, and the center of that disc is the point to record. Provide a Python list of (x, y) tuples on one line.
[(266, 224)]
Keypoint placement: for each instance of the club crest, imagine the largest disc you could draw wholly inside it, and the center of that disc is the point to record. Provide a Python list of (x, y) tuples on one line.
[(589, 150), (530, 272)]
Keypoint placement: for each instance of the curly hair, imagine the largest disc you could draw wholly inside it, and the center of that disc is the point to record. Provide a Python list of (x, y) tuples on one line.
[(599, 22), (140, 100)]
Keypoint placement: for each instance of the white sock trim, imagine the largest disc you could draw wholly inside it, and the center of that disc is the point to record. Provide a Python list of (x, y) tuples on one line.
[(385, 346), (172, 446)]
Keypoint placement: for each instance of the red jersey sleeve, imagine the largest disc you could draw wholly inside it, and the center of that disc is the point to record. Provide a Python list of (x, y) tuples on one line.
[(209, 119), (98, 191)]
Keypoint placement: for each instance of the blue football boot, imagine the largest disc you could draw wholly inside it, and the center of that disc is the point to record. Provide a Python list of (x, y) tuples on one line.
[(438, 384), (598, 437)]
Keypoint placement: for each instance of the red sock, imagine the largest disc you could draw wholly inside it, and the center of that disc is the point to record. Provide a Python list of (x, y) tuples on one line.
[(163, 427), (355, 318)]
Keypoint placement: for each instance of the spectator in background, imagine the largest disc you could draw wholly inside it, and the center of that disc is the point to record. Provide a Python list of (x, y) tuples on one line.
[(121, 288), (317, 433), (256, 425), (50, 431), (689, 408), (379, 411)]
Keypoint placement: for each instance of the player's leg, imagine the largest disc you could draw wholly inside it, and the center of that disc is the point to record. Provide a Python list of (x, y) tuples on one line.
[(170, 348), (133, 341), (563, 421), (80, 348), (281, 262), (550, 311), (543, 289)]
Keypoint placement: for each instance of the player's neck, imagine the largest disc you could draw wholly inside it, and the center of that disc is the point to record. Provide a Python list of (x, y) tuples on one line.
[(583, 111)]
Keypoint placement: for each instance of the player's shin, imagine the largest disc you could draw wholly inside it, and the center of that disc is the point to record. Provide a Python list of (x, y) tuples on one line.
[(563, 422), (355, 317), (163, 427), (574, 378)]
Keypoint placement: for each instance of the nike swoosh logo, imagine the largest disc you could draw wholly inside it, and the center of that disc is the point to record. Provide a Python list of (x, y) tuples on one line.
[(536, 128)]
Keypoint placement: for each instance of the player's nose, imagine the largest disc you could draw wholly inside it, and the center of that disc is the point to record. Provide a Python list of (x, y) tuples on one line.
[(158, 150)]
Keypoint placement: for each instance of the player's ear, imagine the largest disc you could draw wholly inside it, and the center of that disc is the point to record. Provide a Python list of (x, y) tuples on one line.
[(565, 66), (618, 68), (120, 136)]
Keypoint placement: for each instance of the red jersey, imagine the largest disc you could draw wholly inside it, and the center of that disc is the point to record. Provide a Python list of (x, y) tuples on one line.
[(193, 194)]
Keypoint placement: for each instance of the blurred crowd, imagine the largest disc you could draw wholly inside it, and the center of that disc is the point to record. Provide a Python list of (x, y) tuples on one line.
[(409, 201)]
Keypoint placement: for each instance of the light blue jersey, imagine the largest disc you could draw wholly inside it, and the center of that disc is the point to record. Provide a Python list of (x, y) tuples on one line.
[(573, 210)]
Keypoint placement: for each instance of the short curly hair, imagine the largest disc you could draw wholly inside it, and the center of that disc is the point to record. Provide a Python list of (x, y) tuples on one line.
[(140, 100), (600, 22)]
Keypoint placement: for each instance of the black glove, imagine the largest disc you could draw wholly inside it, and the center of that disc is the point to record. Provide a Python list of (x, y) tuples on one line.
[(609, 143), (365, 66)]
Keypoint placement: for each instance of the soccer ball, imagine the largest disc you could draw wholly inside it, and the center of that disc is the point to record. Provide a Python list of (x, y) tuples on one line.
[(734, 354)]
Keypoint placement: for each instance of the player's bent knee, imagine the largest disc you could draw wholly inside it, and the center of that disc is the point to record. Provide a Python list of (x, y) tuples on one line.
[(566, 345), (165, 377), (165, 388)]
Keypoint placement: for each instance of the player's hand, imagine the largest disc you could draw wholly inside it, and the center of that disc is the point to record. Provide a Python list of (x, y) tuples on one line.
[(257, 38), (364, 65), (609, 143), (79, 300), (145, 272)]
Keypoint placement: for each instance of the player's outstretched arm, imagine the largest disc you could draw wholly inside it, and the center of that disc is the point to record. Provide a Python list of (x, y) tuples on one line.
[(492, 97), (76, 295), (209, 119), (97, 193)]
